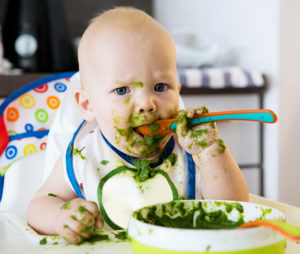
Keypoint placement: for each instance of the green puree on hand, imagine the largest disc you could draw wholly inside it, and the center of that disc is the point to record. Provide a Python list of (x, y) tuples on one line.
[(66, 205), (193, 215)]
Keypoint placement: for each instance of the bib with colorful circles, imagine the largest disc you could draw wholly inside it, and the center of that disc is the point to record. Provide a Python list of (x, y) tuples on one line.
[(26, 116)]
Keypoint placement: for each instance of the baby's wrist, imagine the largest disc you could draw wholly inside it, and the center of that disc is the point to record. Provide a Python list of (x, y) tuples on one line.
[(215, 148)]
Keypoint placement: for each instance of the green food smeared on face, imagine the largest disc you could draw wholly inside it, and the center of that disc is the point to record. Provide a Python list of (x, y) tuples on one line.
[(43, 241), (51, 195), (137, 119), (222, 146), (178, 214), (127, 100), (122, 132), (104, 162), (153, 144), (115, 119), (127, 133), (74, 217), (66, 205), (147, 146), (76, 152), (137, 85)]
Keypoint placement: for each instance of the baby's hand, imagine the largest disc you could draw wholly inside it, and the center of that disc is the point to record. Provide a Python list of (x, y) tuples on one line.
[(194, 139), (78, 219)]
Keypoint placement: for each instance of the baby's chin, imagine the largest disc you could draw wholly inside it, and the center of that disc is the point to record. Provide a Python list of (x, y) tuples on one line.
[(147, 149)]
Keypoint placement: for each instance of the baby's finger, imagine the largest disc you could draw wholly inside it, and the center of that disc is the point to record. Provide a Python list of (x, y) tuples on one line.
[(190, 112), (99, 221), (79, 228), (84, 216), (182, 126), (69, 235), (91, 207), (202, 110)]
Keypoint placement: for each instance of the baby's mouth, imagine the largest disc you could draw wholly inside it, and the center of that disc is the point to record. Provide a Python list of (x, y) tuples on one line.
[(139, 122), (139, 135)]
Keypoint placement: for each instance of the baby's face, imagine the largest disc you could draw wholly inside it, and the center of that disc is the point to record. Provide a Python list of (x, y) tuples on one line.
[(133, 83)]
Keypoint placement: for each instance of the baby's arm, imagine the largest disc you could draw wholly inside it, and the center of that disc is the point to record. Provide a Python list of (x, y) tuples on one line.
[(221, 177), (55, 209)]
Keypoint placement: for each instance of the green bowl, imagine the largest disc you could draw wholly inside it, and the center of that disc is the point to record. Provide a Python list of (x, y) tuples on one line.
[(153, 229)]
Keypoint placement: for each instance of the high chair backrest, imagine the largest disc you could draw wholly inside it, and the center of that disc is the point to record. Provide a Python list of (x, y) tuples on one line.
[(25, 118)]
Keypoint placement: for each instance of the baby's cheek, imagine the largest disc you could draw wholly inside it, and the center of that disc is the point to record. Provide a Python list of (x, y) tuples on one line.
[(120, 118), (169, 111)]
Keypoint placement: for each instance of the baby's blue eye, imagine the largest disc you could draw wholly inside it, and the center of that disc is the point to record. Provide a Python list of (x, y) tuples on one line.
[(160, 87), (121, 90)]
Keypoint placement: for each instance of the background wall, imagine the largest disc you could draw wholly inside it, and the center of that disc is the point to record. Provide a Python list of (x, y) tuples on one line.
[(266, 35), (78, 13), (289, 91)]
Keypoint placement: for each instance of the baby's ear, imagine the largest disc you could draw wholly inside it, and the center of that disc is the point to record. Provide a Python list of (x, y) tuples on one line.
[(179, 87), (84, 105)]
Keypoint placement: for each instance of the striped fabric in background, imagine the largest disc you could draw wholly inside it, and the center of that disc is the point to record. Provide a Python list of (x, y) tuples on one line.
[(216, 78)]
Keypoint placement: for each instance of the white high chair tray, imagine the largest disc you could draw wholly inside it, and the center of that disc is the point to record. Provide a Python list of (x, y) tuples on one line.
[(17, 237)]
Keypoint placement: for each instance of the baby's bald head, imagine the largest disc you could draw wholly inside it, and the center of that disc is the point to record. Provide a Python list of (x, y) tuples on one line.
[(127, 64), (124, 24)]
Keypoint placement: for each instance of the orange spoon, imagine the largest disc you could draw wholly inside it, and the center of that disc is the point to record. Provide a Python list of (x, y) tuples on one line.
[(168, 126), (290, 231)]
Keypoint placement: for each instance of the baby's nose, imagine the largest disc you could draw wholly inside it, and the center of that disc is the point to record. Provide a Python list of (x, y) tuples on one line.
[(146, 105)]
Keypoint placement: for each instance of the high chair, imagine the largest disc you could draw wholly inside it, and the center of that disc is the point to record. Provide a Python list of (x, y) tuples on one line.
[(25, 119)]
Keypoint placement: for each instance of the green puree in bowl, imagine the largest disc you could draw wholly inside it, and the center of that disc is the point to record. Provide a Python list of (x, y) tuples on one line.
[(191, 215)]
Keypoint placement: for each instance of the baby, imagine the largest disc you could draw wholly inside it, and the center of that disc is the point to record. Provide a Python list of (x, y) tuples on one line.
[(127, 65)]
